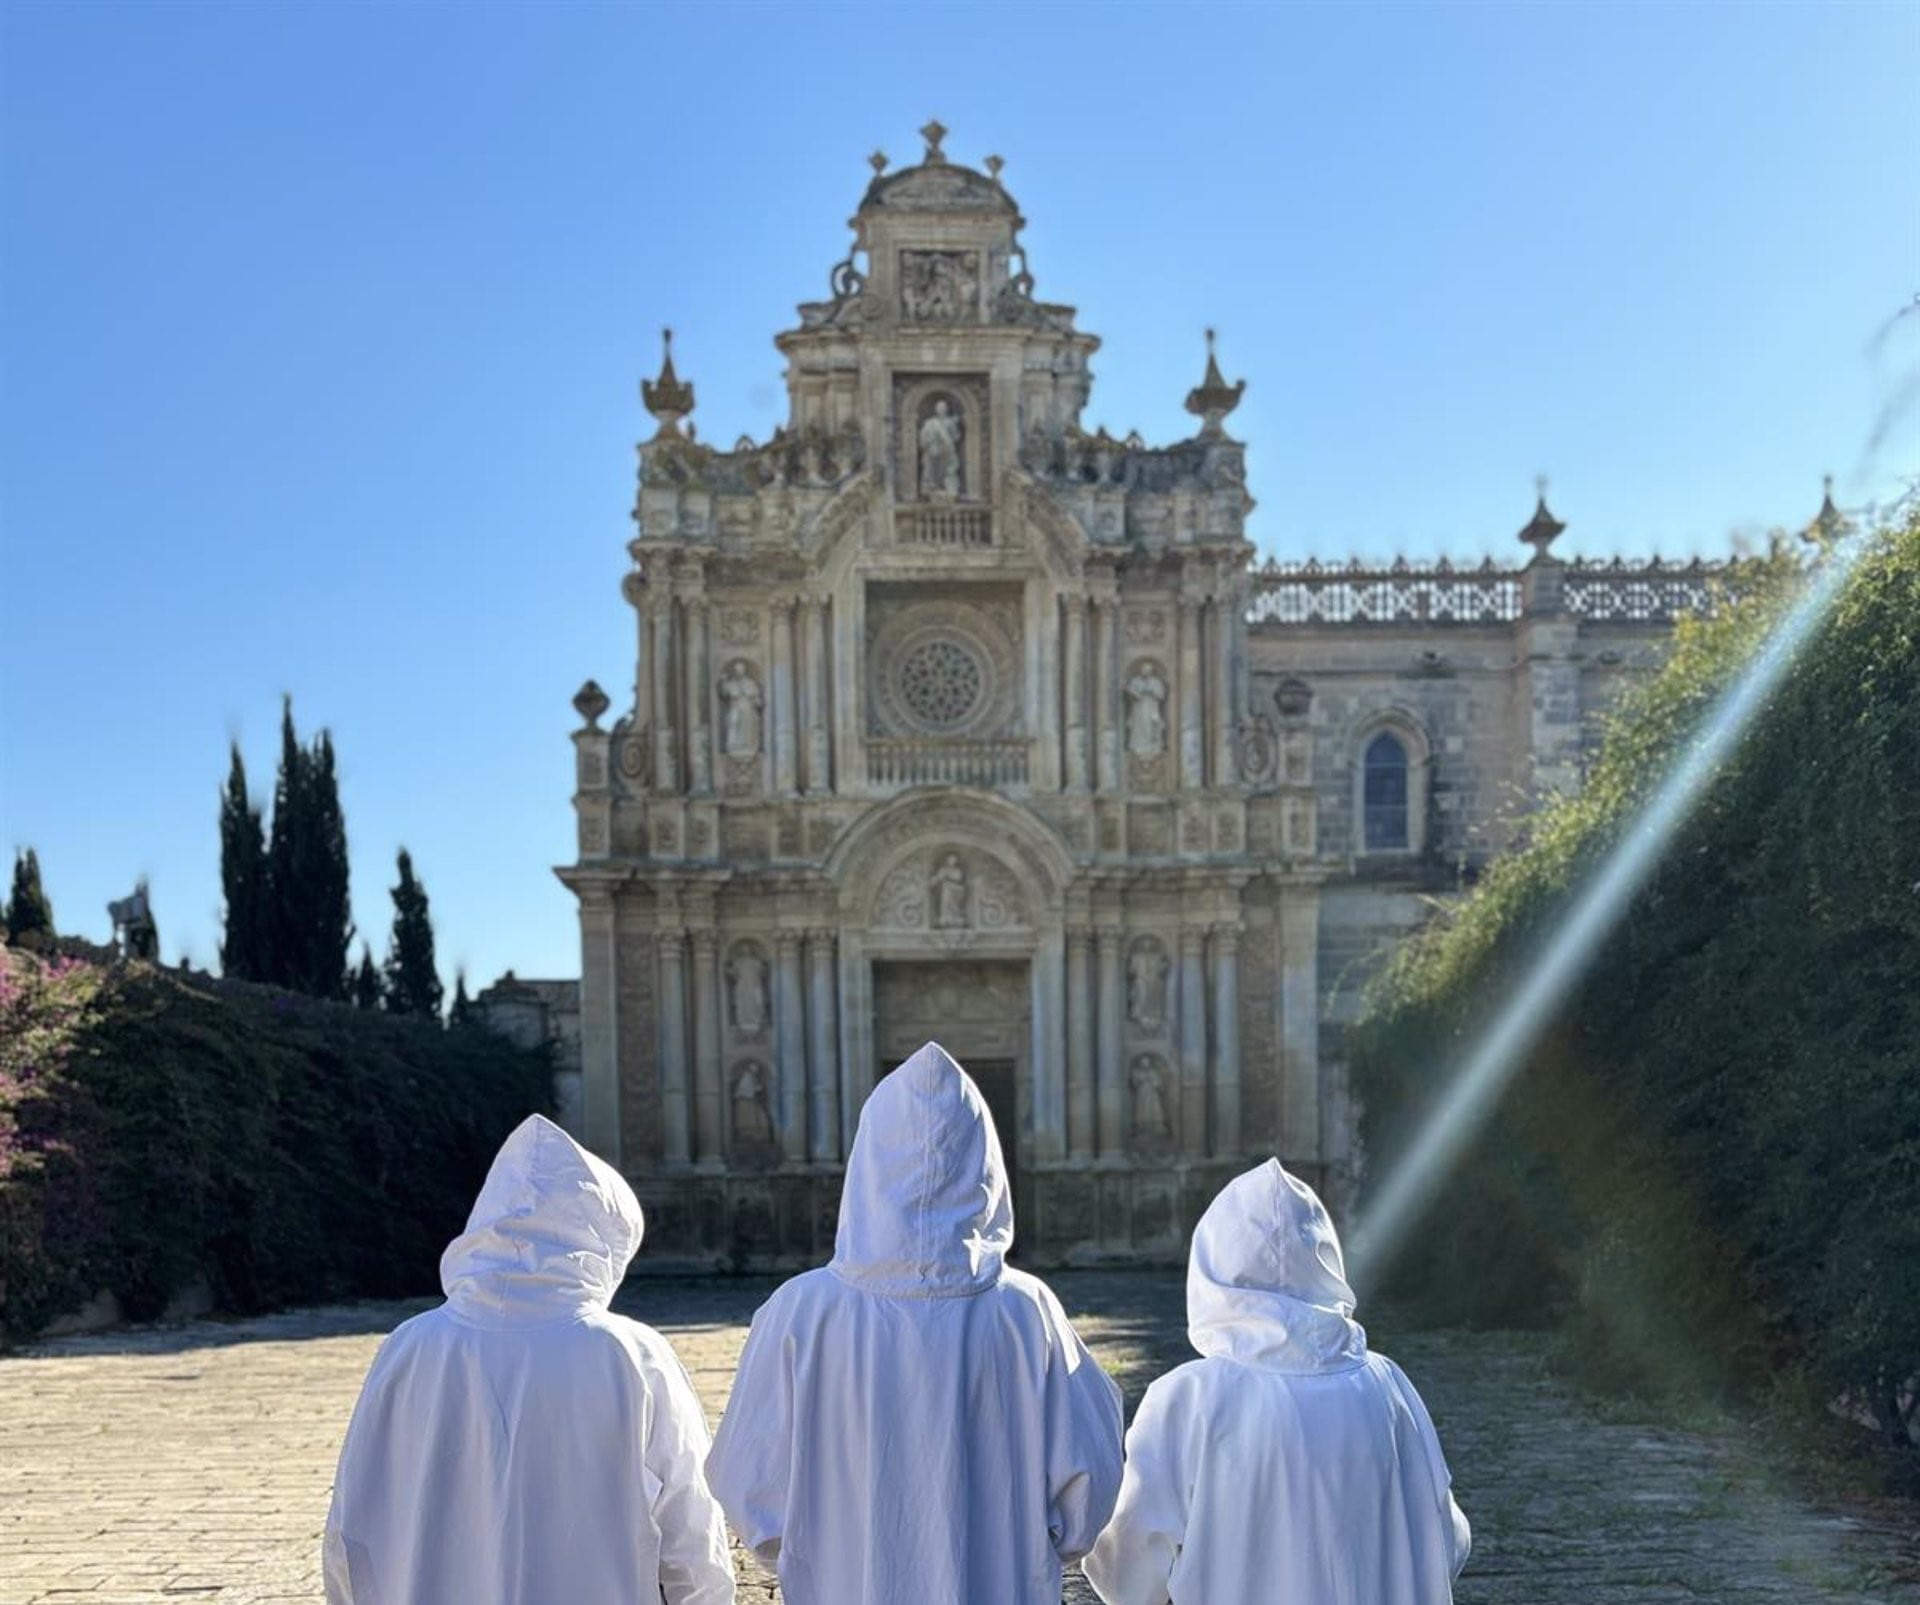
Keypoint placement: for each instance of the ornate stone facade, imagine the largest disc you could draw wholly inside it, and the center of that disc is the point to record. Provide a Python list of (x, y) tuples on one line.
[(950, 716)]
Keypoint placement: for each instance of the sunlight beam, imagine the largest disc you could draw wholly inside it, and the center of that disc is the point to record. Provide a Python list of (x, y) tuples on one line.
[(1496, 1056)]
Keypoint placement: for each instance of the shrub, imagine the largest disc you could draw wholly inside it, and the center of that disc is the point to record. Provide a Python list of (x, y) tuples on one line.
[(1709, 1169), (155, 1127)]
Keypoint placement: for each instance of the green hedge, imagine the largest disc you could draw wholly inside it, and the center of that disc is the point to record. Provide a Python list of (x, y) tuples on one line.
[(1709, 1171), (156, 1127)]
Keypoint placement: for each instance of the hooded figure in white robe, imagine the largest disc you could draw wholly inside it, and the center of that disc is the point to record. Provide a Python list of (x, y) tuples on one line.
[(1288, 1466), (917, 1423), (520, 1443)]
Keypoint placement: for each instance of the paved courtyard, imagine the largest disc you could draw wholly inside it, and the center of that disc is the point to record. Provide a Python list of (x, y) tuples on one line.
[(194, 1462)]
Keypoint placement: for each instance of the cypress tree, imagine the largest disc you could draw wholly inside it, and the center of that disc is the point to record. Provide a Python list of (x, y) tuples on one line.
[(308, 921), (29, 913), (286, 923), (243, 871), (323, 859), (366, 981), (413, 983)]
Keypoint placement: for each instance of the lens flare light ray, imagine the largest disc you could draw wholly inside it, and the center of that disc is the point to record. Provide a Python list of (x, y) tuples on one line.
[(1501, 1049)]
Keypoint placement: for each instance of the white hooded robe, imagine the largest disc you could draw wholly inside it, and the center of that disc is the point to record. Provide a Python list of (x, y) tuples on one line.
[(916, 1423), (1288, 1466), (520, 1444)]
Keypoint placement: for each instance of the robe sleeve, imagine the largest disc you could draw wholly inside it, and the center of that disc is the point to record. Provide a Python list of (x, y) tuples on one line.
[(338, 1544), (1084, 1453), (753, 1450), (1461, 1533), (695, 1568), (1133, 1562)]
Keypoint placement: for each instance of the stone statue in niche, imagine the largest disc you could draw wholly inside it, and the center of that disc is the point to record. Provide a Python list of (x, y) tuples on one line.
[(748, 976), (1147, 968), (947, 892), (940, 453), (1146, 711), (1149, 1083), (752, 1118), (740, 725)]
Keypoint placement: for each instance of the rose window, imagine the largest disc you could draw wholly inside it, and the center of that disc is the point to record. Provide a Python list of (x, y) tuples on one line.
[(941, 683)]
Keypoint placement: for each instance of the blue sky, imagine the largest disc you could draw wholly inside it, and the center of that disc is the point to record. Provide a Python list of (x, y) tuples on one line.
[(322, 327)]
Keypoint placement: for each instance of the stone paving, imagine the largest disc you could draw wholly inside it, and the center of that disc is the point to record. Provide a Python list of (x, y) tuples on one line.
[(194, 1462)]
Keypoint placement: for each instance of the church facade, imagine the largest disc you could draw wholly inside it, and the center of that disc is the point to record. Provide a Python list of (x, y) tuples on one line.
[(953, 719)]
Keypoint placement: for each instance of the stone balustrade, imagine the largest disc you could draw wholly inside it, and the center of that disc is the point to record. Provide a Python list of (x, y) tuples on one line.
[(1358, 593), (933, 762), (943, 526)]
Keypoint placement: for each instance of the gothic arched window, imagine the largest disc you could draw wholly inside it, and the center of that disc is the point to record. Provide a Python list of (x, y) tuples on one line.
[(1385, 795)]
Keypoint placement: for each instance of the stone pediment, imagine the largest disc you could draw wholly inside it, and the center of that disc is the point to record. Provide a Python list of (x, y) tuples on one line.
[(939, 187)]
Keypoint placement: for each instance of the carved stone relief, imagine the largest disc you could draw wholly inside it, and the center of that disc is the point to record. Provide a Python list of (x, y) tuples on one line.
[(1145, 626), (953, 890), (1150, 829), (940, 286), (740, 777)]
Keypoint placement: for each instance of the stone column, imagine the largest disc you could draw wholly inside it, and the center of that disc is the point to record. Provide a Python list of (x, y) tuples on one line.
[(819, 705), (1111, 1071), (699, 727), (1080, 1047), (675, 1148), (1190, 730), (823, 1058), (784, 721), (599, 1025), (634, 589), (1299, 1133), (709, 1142), (666, 773), (1048, 1073), (856, 1033), (789, 1044), (1074, 689), (1226, 1041), (1193, 1040), (1106, 718), (1222, 717)]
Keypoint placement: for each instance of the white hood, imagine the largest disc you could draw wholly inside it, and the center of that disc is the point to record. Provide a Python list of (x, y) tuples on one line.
[(1266, 1284), (550, 1235), (925, 1210)]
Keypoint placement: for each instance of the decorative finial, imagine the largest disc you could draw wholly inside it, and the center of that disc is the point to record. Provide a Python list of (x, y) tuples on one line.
[(993, 164), (1543, 528), (878, 162), (1829, 524), (933, 133), (666, 397), (590, 702), (1214, 398)]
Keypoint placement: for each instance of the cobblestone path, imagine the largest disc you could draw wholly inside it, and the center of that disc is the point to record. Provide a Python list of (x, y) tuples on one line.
[(194, 1463)]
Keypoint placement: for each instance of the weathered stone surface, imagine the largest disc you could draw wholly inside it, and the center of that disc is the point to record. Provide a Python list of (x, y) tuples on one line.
[(149, 1465)]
